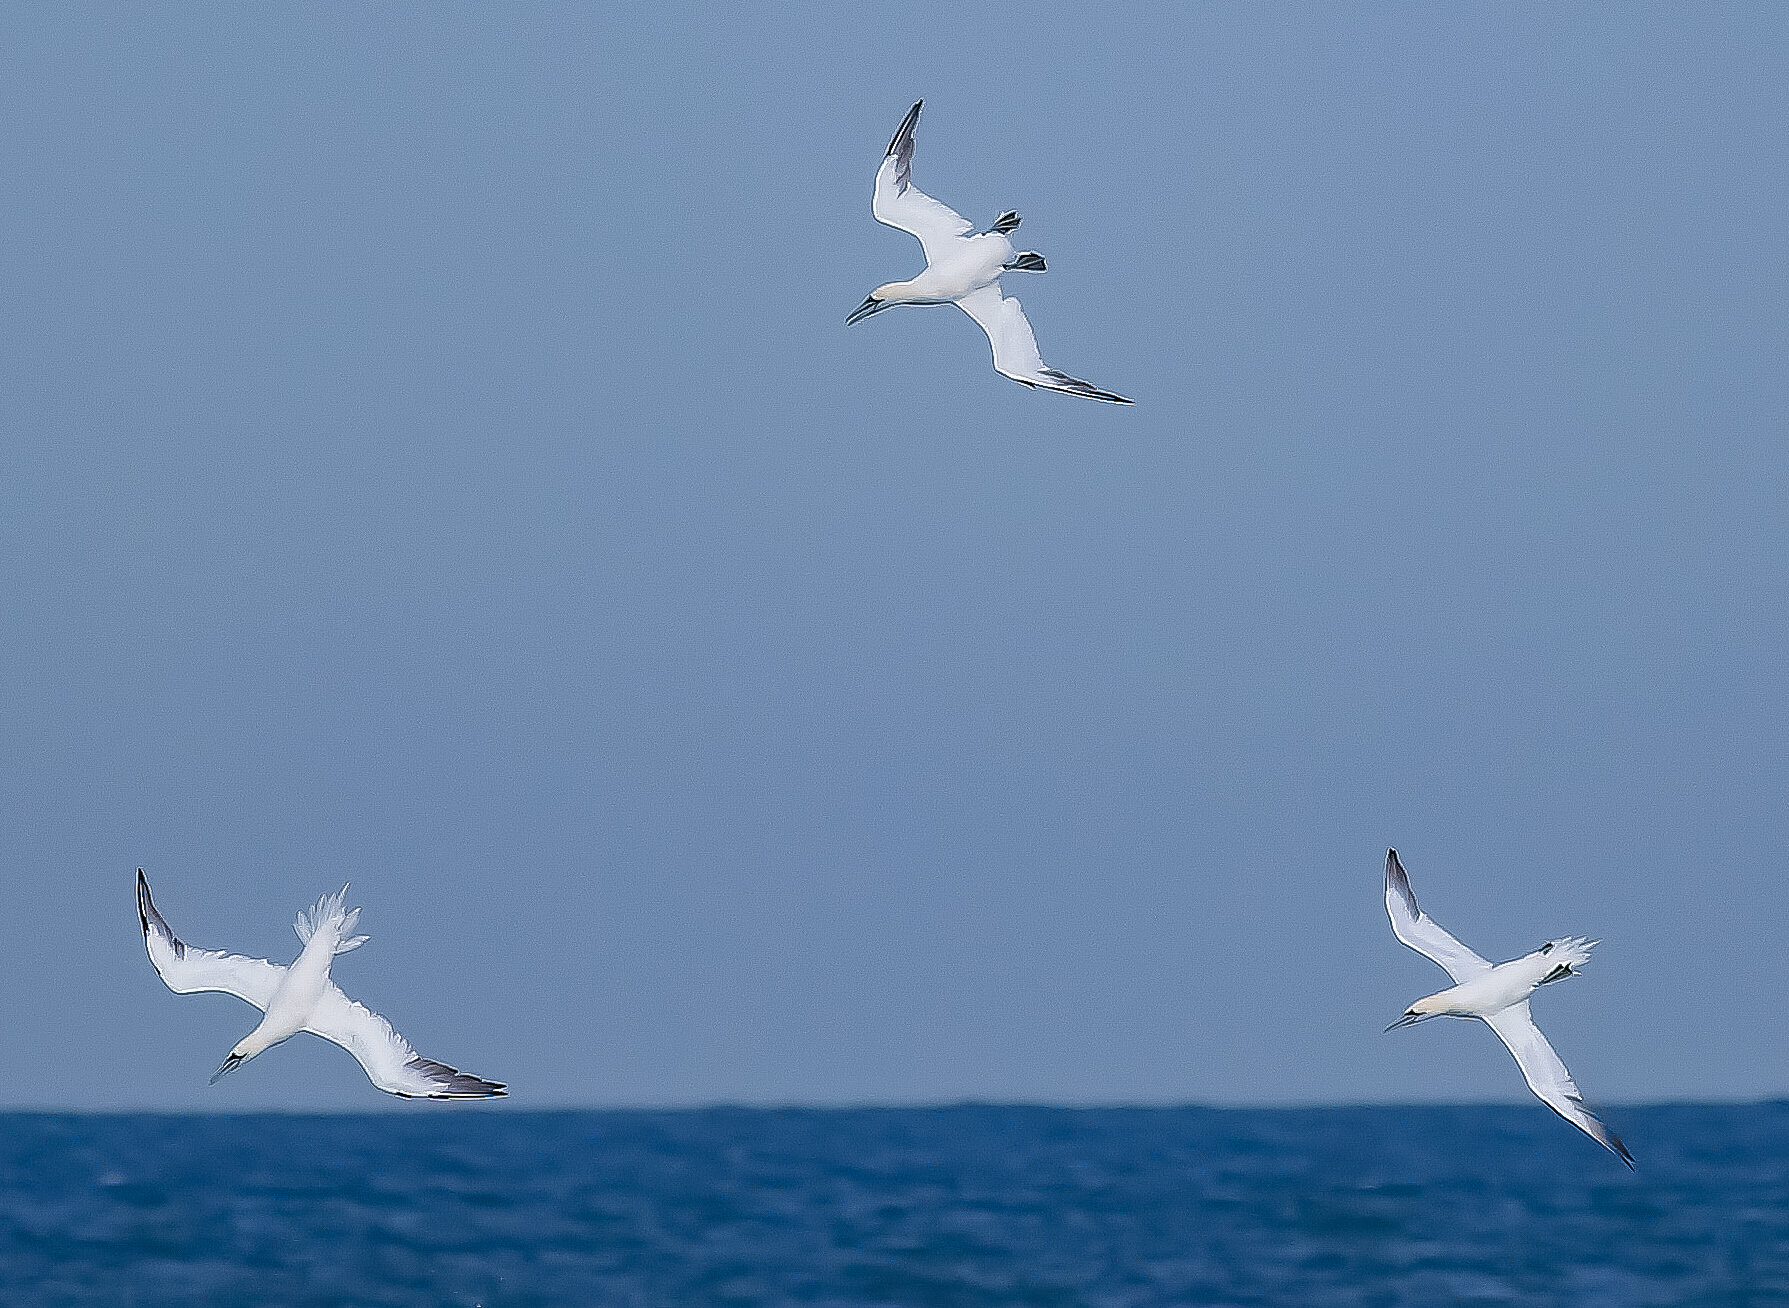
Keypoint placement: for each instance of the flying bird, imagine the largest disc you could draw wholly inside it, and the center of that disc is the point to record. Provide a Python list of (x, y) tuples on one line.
[(301, 997), (1498, 996), (963, 268)]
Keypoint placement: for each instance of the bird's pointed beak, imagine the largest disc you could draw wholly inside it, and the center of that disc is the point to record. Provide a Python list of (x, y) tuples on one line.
[(231, 1063), (1409, 1019), (870, 305)]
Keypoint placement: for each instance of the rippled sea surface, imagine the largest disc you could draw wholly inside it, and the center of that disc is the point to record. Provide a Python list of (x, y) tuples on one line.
[(949, 1206)]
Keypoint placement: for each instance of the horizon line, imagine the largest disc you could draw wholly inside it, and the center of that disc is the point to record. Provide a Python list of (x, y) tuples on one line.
[(867, 1106)]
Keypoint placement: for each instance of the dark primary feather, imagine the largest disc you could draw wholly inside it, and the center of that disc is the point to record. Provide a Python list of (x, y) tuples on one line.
[(1594, 1127), (455, 1084), (1609, 1139), (150, 918), (901, 147), (1061, 381), (1394, 873)]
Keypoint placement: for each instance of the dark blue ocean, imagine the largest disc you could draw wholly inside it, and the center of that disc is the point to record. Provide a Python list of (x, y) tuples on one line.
[(957, 1207)]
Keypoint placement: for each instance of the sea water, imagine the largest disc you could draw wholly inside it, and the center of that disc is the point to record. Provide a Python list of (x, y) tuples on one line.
[(959, 1206)]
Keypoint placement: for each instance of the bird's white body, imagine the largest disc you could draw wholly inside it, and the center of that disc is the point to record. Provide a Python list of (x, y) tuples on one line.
[(1497, 994), (1507, 984), (294, 1002), (963, 267), (302, 997)]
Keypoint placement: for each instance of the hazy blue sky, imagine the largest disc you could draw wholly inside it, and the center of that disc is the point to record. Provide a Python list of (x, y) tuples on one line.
[(434, 456)]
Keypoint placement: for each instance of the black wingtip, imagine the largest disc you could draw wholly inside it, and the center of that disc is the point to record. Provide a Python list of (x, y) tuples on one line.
[(1620, 1149), (906, 128), (472, 1087), (451, 1083), (1395, 878), (148, 914), (1064, 384)]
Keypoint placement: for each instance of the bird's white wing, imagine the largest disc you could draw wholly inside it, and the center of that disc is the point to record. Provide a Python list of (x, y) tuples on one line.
[(389, 1061), (1411, 925), (187, 970), (1547, 1077), (900, 203), (1015, 347)]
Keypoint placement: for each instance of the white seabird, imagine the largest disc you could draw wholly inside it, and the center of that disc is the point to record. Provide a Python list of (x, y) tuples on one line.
[(301, 997), (963, 268), (1498, 996)]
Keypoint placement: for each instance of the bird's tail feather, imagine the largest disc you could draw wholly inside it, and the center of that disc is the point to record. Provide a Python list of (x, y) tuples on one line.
[(1570, 952), (330, 915)]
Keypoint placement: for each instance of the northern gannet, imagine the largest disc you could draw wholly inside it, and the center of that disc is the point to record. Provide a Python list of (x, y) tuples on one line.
[(1498, 996), (963, 268), (301, 997)]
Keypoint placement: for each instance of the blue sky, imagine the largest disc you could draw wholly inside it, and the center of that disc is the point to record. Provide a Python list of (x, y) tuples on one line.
[(434, 457)]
